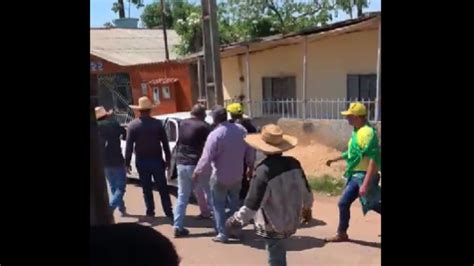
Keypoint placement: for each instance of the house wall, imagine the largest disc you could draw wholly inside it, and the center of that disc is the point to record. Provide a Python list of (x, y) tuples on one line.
[(329, 61), (181, 97)]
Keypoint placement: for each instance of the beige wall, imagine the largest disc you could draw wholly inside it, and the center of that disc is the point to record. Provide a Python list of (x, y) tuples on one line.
[(329, 62)]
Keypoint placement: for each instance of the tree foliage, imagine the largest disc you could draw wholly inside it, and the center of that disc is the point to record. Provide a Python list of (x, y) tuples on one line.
[(246, 20), (119, 7), (348, 6)]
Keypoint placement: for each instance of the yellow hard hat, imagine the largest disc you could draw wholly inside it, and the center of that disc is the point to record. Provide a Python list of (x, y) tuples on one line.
[(357, 109), (235, 109)]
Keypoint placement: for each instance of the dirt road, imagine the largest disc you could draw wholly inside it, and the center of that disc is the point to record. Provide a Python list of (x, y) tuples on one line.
[(305, 248)]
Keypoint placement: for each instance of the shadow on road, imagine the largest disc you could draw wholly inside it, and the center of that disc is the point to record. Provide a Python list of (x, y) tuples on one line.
[(189, 221), (153, 221), (294, 243), (173, 191), (205, 234), (365, 243), (192, 222)]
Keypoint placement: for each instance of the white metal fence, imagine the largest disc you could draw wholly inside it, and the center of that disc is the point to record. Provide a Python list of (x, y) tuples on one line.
[(329, 109)]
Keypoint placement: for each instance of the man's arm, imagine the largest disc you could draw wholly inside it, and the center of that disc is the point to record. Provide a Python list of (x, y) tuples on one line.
[(364, 137), (165, 144), (371, 171), (129, 145), (308, 194), (208, 155), (123, 132), (329, 162), (250, 155), (254, 198)]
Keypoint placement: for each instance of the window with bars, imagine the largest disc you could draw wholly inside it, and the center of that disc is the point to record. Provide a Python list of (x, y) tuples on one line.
[(275, 91), (363, 88)]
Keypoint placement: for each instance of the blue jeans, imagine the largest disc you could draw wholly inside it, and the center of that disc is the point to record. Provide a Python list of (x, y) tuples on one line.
[(220, 194), (185, 186), (154, 168), (276, 251), (350, 194), (117, 178)]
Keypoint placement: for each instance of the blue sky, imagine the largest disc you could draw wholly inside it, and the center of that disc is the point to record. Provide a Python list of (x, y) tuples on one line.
[(101, 11)]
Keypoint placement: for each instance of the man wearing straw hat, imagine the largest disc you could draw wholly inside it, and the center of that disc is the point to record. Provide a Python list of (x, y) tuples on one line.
[(363, 161), (114, 164), (279, 193), (147, 135)]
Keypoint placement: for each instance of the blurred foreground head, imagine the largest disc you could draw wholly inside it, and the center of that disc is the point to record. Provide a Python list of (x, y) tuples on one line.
[(128, 244)]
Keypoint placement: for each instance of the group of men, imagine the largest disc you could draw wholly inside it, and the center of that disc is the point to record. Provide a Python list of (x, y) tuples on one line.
[(217, 162)]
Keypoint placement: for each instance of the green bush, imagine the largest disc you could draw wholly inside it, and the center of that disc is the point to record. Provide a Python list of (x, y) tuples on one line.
[(327, 184)]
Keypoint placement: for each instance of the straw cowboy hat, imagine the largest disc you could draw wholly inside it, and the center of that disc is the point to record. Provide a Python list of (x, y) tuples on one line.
[(101, 112), (143, 104), (271, 140)]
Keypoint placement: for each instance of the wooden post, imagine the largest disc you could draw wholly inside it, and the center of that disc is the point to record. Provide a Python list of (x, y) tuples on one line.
[(305, 70), (212, 52), (100, 213), (247, 79), (378, 91), (163, 22), (199, 73), (206, 38), (216, 58)]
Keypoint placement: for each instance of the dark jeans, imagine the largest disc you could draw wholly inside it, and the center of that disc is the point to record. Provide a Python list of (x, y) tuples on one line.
[(276, 251), (245, 186), (154, 168), (350, 194)]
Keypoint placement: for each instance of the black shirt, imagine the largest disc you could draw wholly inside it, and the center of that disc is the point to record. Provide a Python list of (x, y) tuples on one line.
[(110, 132), (148, 136), (192, 137), (245, 123)]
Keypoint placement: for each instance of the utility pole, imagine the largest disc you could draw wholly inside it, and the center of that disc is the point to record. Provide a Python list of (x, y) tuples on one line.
[(100, 213), (163, 22), (212, 60)]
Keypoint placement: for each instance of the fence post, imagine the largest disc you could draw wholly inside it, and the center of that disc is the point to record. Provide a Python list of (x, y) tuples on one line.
[(305, 51)]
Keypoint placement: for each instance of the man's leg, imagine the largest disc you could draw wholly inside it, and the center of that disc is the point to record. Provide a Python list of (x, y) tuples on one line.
[(245, 186), (378, 207), (145, 174), (118, 181), (121, 188), (234, 197), (160, 180), (219, 196), (185, 184), (350, 194), (111, 178), (203, 197), (276, 251)]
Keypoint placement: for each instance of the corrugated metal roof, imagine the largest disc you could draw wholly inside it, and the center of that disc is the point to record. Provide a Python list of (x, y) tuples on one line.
[(368, 21), (128, 47)]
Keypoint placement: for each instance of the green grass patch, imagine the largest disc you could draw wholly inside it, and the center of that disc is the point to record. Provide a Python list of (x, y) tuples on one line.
[(327, 184)]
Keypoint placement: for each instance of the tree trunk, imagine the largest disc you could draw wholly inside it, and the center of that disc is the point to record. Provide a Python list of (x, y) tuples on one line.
[(360, 5), (121, 9), (100, 213)]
